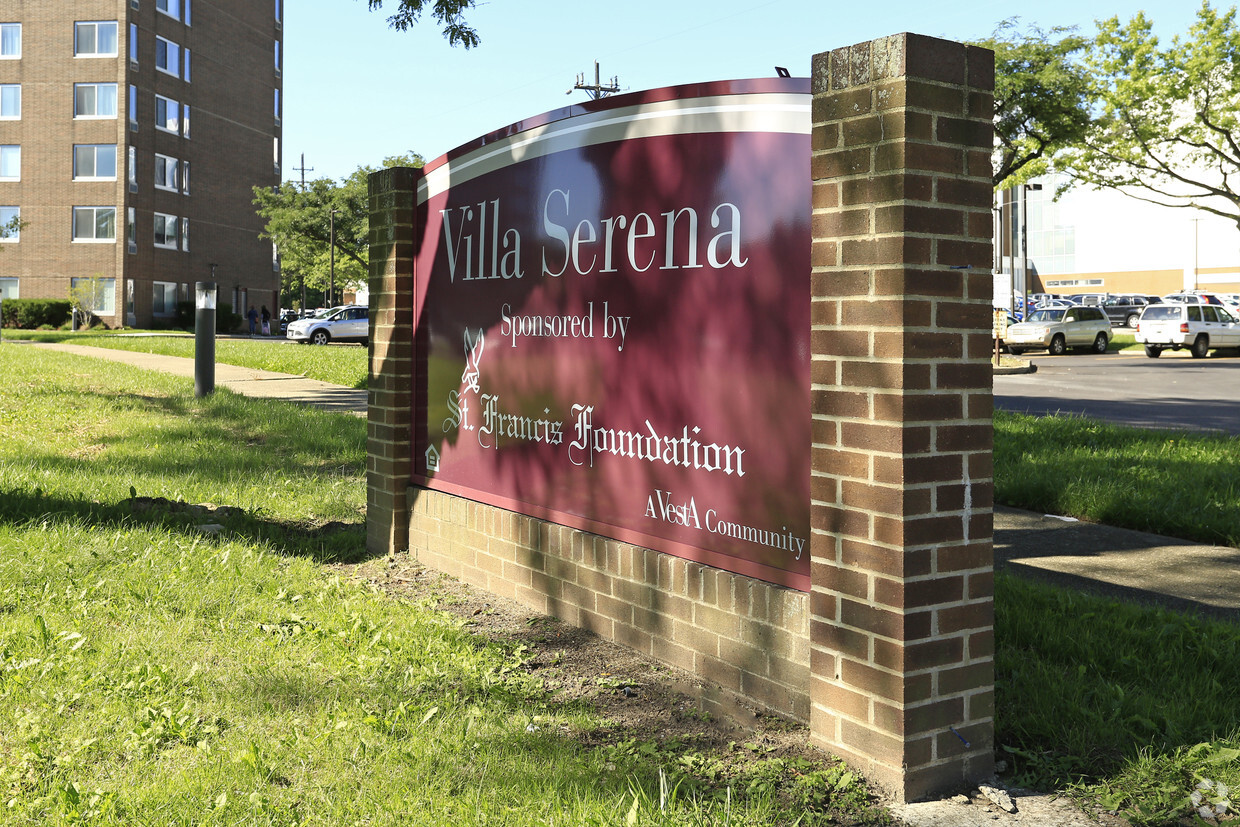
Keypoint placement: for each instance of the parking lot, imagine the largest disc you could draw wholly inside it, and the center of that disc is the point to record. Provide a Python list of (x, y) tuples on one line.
[(1174, 391)]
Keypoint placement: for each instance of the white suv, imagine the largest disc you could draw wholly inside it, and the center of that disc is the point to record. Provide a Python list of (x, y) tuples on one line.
[(1198, 327), (1059, 328), (343, 324)]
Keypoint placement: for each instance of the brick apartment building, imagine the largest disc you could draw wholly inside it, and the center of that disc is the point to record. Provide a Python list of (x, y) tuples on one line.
[(131, 135)]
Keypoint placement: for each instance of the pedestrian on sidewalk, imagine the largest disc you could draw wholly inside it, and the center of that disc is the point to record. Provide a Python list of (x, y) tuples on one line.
[(266, 321), (253, 317)]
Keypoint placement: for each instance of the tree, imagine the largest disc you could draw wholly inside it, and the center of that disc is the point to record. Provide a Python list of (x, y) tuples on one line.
[(300, 222), (1167, 128), (450, 13), (1041, 98)]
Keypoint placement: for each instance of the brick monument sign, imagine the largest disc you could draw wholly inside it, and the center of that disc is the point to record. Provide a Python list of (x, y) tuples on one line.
[(705, 370)]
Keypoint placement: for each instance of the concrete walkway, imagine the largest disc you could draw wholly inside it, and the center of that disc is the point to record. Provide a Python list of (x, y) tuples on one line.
[(245, 381)]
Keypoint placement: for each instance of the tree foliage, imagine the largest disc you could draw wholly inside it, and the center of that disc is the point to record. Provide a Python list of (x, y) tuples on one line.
[(1167, 124), (300, 222), (1041, 98), (449, 13)]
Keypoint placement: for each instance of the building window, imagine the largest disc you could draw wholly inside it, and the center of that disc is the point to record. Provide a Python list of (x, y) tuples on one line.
[(133, 43), (9, 288), (95, 39), (185, 120), (133, 108), (185, 64), (99, 295), (10, 101), (172, 8), (167, 57), (164, 298), (185, 234), (187, 17), (10, 226), (167, 171), (278, 17), (166, 231), (185, 177), (10, 162), (277, 58), (277, 99), (94, 100), (275, 154), (166, 114), (94, 223), (131, 230), (95, 162), (132, 168), (10, 40)]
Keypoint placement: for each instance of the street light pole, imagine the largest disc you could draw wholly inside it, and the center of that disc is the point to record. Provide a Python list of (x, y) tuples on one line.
[(1024, 247), (331, 290)]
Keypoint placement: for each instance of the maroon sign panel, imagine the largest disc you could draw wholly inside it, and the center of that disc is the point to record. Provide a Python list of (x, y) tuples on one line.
[(612, 322)]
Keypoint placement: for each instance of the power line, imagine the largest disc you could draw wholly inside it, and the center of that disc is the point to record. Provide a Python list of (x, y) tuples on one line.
[(303, 169)]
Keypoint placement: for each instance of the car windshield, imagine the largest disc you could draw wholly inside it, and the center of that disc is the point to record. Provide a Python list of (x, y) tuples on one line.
[(1047, 314), (1161, 312)]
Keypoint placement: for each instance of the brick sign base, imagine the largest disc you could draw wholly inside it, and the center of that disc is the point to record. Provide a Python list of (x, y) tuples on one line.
[(889, 656)]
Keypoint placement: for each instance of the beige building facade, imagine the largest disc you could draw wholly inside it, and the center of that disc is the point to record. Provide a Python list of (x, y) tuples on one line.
[(131, 135)]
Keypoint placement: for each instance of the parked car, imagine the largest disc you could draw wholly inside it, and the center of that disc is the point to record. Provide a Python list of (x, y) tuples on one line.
[(1092, 299), (350, 323), (1195, 297), (1058, 328), (287, 316), (1126, 310), (1198, 327)]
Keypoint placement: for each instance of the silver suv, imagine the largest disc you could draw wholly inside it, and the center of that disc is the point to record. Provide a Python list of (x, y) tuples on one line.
[(342, 324), (1059, 328), (1198, 327)]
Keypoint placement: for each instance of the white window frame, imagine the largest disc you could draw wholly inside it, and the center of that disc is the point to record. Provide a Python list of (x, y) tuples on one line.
[(10, 27), (10, 287), (11, 150), (7, 214), (97, 87), (9, 87), (171, 62), (97, 212), (162, 223), (77, 28), (95, 159), (167, 173), (170, 107), (172, 8)]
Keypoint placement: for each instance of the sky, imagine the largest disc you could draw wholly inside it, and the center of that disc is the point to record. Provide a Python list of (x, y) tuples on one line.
[(356, 92)]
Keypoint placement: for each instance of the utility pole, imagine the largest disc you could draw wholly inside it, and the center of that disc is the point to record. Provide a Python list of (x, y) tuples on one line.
[(303, 169), (598, 90)]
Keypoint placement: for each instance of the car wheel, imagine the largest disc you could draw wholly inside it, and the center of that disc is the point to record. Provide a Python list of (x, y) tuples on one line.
[(1201, 346), (1059, 345), (320, 337), (1153, 351), (1100, 343), (1131, 321), (1015, 351)]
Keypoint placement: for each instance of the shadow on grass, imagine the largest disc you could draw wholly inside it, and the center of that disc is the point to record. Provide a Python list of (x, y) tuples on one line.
[(331, 542)]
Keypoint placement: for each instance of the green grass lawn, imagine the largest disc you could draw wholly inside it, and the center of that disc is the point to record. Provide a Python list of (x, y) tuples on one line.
[(152, 673)]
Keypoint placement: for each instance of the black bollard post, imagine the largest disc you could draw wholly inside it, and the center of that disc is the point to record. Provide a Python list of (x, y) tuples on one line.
[(204, 338)]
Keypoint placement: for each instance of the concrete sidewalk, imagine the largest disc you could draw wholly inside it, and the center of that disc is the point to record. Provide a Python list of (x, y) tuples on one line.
[(245, 381)]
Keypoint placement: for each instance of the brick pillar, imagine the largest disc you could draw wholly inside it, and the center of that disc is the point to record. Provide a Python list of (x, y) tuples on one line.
[(902, 568), (391, 358)]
